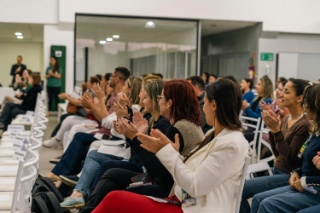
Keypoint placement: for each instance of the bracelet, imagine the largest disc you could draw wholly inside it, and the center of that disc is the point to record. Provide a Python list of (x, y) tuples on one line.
[(293, 172)]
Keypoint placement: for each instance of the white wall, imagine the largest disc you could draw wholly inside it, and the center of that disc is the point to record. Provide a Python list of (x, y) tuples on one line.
[(285, 44), (30, 11), (32, 53), (53, 36), (282, 16), (288, 65)]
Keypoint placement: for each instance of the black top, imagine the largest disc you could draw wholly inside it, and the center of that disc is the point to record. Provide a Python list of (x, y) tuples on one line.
[(15, 66), (30, 98), (159, 174)]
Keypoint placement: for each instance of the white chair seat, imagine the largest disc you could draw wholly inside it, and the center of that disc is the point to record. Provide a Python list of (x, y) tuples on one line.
[(6, 153), (7, 184), (258, 167), (8, 171), (24, 133), (6, 200), (6, 144), (8, 161), (6, 138)]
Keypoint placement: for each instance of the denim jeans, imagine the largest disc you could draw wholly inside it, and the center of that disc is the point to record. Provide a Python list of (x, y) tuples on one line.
[(312, 209), (283, 199), (70, 163), (90, 169), (262, 184)]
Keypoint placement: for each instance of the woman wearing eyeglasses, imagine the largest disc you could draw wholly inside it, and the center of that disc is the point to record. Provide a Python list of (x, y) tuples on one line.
[(208, 179), (179, 104)]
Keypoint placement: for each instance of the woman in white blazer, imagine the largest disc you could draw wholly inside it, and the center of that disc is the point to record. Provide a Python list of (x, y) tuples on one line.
[(208, 179)]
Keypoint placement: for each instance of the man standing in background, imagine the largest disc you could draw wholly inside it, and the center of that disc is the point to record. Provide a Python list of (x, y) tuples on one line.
[(17, 69)]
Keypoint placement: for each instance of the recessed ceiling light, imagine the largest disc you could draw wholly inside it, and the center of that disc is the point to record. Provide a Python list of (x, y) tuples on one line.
[(116, 36), (18, 34), (150, 24), (102, 42), (109, 39), (20, 37)]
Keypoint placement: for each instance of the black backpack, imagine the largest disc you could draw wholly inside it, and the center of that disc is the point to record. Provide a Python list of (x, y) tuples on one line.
[(46, 197)]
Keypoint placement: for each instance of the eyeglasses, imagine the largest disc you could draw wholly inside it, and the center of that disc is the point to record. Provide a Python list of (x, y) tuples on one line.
[(159, 97), (114, 76)]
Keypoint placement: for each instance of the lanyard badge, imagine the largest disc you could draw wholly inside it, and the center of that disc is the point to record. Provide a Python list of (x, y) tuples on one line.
[(187, 200), (304, 146)]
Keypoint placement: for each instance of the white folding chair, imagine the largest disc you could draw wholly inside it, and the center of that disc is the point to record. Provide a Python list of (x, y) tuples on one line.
[(20, 199), (263, 142), (243, 177), (253, 123)]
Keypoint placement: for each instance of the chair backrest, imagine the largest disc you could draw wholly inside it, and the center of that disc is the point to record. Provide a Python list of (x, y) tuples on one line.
[(243, 177), (26, 177), (78, 91), (261, 142), (255, 124)]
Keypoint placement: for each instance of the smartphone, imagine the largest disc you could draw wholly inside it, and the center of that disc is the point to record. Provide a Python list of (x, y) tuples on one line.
[(139, 178)]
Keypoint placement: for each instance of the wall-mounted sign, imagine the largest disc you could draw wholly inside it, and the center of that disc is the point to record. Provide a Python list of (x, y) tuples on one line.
[(266, 56)]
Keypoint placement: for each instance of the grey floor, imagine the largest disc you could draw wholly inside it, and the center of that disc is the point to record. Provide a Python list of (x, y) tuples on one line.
[(45, 153)]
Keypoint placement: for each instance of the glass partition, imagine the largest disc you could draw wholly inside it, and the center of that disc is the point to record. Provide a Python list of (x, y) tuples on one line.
[(143, 45)]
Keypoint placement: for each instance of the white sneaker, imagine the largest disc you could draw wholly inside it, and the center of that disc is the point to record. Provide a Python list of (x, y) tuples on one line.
[(53, 142)]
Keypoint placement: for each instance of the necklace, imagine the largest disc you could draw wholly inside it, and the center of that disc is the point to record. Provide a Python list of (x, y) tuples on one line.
[(297, 118)]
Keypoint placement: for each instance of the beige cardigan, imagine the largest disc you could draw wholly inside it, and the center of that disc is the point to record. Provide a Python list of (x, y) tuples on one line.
[(212, 175)]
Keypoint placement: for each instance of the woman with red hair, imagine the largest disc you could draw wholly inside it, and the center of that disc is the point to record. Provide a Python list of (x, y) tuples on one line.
[(179, 104)]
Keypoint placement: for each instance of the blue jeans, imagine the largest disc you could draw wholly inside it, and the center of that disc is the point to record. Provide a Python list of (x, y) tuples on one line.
[(262, 184), (90, 169), (312, 209), (283, 199), (70, 163)]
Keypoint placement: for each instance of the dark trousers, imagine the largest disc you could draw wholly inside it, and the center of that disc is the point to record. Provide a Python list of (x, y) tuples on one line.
[(110, 164), (119, 179), (62, 117), (9, 112), (53, 93), (71, 161)]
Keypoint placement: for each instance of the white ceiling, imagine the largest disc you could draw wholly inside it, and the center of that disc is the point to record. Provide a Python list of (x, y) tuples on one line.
[(97, 27)]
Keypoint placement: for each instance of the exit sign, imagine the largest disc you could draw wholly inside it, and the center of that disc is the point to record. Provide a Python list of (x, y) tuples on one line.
[(266, 56)]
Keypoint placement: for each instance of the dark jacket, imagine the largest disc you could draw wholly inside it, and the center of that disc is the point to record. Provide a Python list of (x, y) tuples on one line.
[(30, 98)]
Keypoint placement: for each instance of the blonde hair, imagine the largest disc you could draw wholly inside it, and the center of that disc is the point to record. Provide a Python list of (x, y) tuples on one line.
[(267, 87), (154, 88), (134, 84)]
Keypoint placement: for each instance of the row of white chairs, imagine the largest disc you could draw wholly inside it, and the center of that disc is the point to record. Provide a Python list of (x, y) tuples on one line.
[(17, 177)]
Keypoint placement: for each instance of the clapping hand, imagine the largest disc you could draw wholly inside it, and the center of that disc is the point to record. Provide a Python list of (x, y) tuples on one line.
[(271, 120), (140, 122), (126, 127), (86, 101), (120, 110), (265, 106), (123, 99), (245, 105), (98, 92), (157, 141)]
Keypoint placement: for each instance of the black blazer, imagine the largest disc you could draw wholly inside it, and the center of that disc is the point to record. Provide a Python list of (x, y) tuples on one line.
[(30, 98)]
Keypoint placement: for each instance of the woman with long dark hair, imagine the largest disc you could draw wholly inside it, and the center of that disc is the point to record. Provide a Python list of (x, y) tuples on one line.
[(302, 190), (183, 112), (29, 100), (53, 76), (208, 178)]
